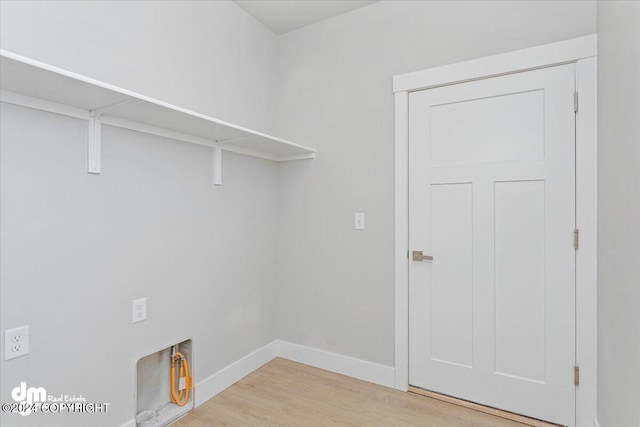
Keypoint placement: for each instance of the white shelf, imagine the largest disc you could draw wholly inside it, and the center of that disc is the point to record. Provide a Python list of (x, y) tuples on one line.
[(37, 85)]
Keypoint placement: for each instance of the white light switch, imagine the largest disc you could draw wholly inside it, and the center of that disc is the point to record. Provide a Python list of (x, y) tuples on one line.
[(359, 219)]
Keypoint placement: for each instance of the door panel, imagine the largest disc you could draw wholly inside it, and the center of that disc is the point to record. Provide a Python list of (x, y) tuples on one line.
[(491, 197), (519, 299), (474, 131), (452, 282)]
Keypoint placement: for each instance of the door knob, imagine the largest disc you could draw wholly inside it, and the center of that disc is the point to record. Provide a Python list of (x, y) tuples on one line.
[(417, 256)]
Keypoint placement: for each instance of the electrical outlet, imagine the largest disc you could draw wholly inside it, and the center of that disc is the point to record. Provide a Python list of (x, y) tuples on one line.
[(16, 342), (139, 310)]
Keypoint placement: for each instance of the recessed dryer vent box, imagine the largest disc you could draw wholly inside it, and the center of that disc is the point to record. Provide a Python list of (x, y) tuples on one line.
[(152, 396)]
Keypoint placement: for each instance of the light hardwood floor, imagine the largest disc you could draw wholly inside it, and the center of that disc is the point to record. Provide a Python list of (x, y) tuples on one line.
[(285, 393)]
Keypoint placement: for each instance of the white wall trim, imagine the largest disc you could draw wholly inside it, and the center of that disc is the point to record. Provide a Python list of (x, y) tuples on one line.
[(345, 365), (225, 377), (211, 386), (334, 362), (402, 241), (582, 52), (512, 62), (586, 255)]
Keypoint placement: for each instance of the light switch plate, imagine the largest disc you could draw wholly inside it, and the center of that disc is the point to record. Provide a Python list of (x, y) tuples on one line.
[(359, 221), (16, 342)]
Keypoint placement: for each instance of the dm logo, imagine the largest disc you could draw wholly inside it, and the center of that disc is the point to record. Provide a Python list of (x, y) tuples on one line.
[(31, 395)]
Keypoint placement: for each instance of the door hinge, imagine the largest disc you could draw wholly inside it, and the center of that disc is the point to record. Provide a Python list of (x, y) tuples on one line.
[(576, 239), (407, 254), (576, 376), (575, 102)]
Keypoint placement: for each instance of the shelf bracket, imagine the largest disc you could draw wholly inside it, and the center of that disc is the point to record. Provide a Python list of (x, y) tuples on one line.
[(95, 136), (93, 143), (217, 164)]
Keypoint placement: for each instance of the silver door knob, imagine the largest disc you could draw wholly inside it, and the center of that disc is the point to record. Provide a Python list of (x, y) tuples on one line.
[(417, 256)]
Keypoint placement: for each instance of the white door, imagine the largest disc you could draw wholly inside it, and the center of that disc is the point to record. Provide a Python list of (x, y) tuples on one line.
[(492, 199)]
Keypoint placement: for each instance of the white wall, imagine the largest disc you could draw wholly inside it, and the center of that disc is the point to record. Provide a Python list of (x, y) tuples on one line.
[(618, 213), (207, 56), (336, 283), (77, 248)]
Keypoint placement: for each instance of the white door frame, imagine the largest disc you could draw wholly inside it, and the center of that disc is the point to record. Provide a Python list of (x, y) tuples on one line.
[(581, 52)]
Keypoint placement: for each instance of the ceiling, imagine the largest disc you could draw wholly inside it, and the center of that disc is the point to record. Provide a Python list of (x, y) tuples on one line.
[(286, 15)]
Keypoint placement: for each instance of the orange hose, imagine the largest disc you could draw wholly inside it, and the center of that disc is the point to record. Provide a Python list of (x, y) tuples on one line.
[(181, 397)]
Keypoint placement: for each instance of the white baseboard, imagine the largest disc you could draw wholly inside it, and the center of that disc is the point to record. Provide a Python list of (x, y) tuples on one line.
[(209, 387), (345, 365)]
